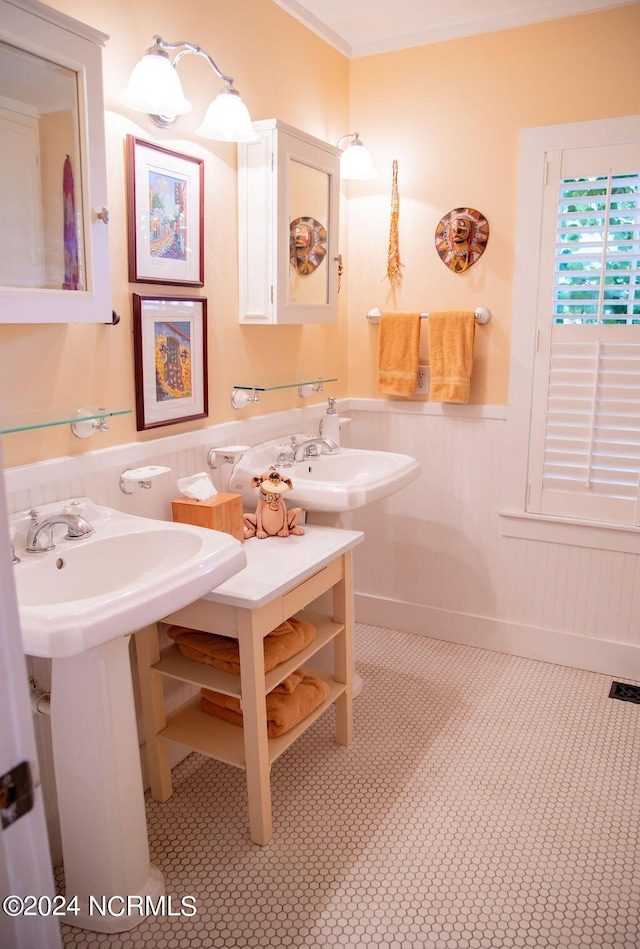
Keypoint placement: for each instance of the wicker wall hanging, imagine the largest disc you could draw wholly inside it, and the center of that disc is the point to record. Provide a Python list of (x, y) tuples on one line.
[(461, 238), (394, 264)]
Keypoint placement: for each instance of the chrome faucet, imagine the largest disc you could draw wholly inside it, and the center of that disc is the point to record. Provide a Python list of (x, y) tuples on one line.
[(40, 534), (312, 447)]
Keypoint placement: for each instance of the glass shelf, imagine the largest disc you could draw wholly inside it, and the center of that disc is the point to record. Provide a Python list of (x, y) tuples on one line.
[(269, 387), (240, 397), (25, 423)]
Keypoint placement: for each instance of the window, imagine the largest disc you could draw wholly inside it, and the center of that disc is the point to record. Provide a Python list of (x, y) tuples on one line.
[(574, 414)]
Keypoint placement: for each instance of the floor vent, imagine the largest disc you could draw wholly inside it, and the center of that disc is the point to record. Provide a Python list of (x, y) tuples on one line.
[(625, 692)]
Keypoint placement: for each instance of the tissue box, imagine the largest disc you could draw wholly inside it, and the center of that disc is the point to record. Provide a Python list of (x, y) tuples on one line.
[(223, 512)]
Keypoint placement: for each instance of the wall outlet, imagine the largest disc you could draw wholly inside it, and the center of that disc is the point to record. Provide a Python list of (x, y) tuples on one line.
[(423, 380)]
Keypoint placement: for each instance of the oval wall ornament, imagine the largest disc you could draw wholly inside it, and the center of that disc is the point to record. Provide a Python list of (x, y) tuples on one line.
[(461, 237), (307, 244)]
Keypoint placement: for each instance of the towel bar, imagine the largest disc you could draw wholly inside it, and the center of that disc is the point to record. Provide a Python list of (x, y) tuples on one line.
[(482, 315)]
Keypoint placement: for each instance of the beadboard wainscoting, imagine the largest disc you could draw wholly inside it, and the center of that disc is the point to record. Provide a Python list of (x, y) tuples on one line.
[(437, 558)]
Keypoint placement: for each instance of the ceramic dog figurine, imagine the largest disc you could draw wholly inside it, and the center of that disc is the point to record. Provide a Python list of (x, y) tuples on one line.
[(272, 519)]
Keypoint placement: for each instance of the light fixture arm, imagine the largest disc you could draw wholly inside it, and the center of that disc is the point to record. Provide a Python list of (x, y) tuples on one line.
[(184, 49), (354, 136)]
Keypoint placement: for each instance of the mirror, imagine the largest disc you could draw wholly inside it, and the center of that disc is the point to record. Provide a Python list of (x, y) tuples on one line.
[(309, 229), (54, 266), (40, 183)]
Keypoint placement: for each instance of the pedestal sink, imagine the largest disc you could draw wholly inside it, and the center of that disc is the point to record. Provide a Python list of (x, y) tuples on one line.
[(78, 605), (328, 487), (331, 483)]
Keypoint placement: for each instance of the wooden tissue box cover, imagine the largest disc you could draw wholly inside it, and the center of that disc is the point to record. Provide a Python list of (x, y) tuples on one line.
[(222, 512)]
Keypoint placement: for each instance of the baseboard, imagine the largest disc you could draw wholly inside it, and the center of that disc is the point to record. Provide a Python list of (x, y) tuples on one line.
[(547, 645)]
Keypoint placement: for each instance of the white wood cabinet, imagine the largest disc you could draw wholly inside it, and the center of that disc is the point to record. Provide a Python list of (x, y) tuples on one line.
[(55, 267), (288, 200)]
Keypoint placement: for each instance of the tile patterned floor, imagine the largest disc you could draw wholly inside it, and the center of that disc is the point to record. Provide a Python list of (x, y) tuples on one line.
[(487, 802)]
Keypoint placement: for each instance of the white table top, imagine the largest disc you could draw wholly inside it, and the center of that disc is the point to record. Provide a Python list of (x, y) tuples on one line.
[(276, 565)]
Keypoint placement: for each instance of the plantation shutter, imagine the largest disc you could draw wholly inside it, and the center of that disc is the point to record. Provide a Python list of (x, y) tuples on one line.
[(585, 449)]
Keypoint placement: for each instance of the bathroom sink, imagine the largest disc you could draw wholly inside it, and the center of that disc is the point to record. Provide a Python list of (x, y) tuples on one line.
[(342, 481), (130, 572)]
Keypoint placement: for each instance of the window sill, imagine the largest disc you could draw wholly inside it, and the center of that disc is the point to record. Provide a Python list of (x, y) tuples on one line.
[(575, 533)]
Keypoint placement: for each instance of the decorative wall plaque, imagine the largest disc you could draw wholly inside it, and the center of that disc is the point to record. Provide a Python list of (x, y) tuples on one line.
[(307, 244), (461, 237)]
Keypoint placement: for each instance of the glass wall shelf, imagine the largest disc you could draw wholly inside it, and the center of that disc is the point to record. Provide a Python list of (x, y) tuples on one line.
[(311, 381), (240, 394), (25, 423)]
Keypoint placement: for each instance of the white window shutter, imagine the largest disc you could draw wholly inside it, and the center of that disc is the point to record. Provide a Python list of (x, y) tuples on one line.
[(585, 448)]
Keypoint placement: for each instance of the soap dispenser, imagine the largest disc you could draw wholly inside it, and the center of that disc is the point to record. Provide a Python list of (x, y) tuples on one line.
[(330, 423)]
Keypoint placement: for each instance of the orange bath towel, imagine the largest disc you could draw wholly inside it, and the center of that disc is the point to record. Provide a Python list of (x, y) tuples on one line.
[(222, 652), (451, 335), (284, 709), (398, 355)]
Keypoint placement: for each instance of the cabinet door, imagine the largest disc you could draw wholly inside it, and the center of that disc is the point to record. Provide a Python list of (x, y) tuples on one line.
[(57, 270), (288, 227)]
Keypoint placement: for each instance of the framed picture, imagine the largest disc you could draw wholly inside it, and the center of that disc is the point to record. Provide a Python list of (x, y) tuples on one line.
[(170, 351), (165, 211)]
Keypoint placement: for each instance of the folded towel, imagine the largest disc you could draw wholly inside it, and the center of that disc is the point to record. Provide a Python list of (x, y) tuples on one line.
[(284, 709), (233, 704), (451, 337), (398, 353), (221, 652)]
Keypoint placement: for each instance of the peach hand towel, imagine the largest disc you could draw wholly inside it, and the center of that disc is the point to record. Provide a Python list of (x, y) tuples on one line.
[(398, 353), (222, 652), (451, 335), (284, 709)]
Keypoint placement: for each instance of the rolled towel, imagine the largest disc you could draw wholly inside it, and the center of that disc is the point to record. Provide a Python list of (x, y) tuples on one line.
[(222, 652), (284, 709)]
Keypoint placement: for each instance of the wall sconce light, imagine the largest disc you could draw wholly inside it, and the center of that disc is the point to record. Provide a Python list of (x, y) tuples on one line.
[(355, 161), (155, 88)]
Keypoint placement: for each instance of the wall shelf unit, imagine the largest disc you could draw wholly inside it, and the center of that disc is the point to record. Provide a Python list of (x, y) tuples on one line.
[(242, 395), (73, 417)]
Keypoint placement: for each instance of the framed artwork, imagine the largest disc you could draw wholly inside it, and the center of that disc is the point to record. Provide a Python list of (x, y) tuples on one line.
[(165, 215), (170, 352)]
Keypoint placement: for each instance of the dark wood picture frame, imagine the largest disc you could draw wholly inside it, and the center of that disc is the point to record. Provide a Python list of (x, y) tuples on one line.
[(170, 360), (165, 215)]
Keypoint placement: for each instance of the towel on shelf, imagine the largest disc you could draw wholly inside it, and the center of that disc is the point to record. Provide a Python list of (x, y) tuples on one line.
[(451, 335), (398, 354), (284, 709), (222, 652)]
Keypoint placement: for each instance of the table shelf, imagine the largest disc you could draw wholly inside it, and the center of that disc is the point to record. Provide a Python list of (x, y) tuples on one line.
[(224, 741), (176, 666)]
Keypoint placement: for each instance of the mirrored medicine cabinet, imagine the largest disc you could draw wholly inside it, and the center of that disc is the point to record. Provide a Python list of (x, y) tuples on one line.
[(54, 266), (288, 199)]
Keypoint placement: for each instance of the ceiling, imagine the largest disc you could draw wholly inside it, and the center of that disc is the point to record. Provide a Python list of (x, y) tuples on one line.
[(365, 27)]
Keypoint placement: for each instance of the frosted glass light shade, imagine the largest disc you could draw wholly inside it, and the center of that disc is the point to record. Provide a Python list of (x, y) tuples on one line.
[(227, 119), (356, 162), (154, 87)]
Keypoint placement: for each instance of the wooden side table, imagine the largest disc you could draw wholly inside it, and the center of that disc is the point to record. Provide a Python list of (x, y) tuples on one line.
[(282, 578)]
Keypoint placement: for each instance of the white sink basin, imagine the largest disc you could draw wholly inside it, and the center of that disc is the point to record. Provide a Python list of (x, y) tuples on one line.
[(131, 572), (343, 481)]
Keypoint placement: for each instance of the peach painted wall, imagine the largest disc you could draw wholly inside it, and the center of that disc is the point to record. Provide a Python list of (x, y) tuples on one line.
[(281, 70), (451, 114)]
